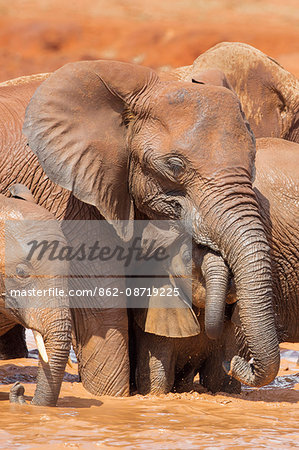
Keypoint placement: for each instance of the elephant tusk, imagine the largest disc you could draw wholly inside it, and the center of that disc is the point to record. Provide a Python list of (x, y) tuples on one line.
[(40, 346), (70, 363)]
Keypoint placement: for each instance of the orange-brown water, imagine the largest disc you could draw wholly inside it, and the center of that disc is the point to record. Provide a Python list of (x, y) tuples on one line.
[(256, 418)]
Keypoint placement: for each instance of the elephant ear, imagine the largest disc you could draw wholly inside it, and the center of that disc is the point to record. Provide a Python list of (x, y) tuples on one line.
[(213, 77), (76, 123), (177, 319), (21, 192), (177, 322)]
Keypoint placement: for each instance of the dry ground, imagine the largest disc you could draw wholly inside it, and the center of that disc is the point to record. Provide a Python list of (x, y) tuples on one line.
[(41, 35)]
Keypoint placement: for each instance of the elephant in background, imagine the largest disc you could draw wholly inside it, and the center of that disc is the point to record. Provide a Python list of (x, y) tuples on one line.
[(268, 93), (12, 343), (129, 145), (276, 188), (22, 221), (101, 348), (167, 361)]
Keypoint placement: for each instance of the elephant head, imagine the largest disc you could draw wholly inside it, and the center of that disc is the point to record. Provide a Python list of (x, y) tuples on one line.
[(125, 141), (36, 288), (193, 275), (269, 94)]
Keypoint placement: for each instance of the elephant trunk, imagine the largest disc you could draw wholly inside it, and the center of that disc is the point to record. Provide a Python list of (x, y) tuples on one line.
[(216, 275), (57, 339), (236, 231), (252, 272)]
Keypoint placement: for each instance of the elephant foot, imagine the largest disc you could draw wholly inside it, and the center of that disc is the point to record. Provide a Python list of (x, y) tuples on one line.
[(16, 394)]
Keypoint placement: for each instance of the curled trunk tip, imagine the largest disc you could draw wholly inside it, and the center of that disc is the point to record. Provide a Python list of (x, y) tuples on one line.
[(244, 371)]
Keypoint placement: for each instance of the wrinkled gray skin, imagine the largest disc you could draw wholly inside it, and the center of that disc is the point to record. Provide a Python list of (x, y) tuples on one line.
[(165, 363), (128, 144), (50, 316), (101, 348), (268, 93)]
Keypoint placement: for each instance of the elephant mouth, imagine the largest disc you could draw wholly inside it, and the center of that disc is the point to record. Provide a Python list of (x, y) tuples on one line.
[(231, 292), (184, 285)]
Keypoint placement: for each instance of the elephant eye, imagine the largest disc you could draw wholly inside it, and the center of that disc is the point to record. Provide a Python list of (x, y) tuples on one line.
[(198, 82), (176, 165), (22, 271), (186, 255)]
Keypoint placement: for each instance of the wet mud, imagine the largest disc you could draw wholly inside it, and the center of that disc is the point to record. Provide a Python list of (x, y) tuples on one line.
[(40, 36), (256, 418)]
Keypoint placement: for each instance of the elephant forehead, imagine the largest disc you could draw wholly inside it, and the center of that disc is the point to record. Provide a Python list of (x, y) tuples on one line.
[(194, 101), (198, 121)]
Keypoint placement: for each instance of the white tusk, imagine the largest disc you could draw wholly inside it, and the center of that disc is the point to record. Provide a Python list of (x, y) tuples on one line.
[(70, 363), (40, 346)]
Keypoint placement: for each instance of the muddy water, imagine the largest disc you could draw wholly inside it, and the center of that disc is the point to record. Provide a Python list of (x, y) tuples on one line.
[(257, 418)]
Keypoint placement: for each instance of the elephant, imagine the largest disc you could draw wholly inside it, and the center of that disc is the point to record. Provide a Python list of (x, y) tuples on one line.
[(12, 344), (169, 344), (268, 93), (102, 347), (118, 143), (165, 361), (47, 315)]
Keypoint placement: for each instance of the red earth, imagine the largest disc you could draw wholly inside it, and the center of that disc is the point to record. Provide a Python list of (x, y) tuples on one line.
[(42, 35)]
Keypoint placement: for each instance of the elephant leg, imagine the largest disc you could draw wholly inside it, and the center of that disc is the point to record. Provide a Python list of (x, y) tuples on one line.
[(192, 352), (184, 379), (13, 343), (101, 345), (155, 367), (212, 374)]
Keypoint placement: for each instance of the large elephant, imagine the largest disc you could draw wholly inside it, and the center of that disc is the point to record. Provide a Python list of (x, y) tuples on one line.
[(35, 293), (128, 145), (102, 346), (12, 344), (164, 362), (268, 93)]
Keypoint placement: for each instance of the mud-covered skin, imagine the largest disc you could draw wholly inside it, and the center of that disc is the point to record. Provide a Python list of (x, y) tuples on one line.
[(277, 189), (109, 131), (164, 357), (21, 221), (20, 165), (268, 93), (196, 169), (160, 359), (166, 364)]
